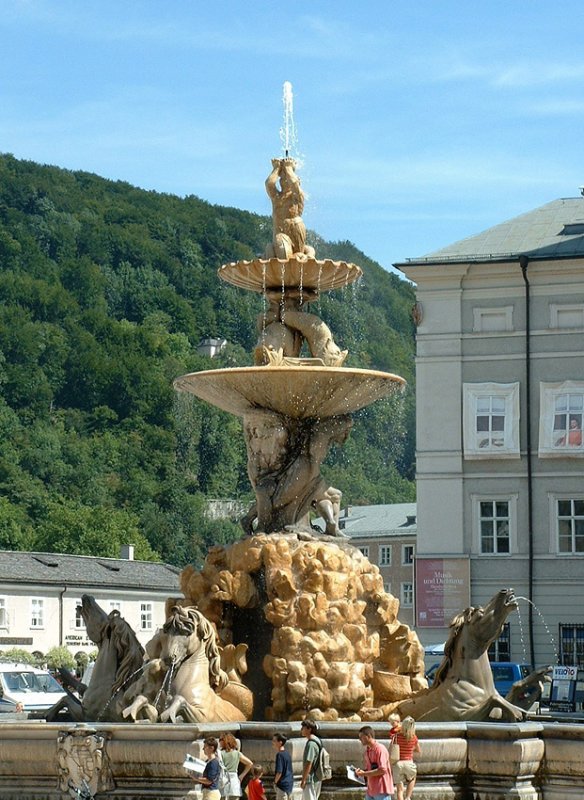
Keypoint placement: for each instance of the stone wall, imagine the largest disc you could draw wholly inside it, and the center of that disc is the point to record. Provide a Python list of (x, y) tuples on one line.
[(472, 761)]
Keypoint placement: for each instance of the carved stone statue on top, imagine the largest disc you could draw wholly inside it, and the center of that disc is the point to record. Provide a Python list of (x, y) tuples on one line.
[(289, 237)]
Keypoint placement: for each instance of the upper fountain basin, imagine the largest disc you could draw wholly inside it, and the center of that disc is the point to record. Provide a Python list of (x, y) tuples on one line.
[(297, 272), (299, 392)]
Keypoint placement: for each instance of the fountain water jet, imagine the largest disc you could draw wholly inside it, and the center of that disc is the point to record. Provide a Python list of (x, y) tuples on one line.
[(288, 130)]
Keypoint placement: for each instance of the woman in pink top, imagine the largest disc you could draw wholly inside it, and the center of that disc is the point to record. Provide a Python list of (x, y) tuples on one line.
[(377, 770), (405, 770)]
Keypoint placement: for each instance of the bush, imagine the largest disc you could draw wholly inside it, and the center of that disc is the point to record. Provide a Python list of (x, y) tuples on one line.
[(16, 654), (60, 657)]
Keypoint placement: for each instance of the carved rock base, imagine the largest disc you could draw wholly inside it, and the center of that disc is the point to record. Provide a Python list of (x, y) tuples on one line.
[(317, 622)]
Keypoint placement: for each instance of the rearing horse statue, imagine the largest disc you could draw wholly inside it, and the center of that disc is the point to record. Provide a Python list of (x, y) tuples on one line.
[(120, 658), (463, 689)]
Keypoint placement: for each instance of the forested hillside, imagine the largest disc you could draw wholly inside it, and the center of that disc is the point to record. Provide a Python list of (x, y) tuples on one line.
[(105, 292)]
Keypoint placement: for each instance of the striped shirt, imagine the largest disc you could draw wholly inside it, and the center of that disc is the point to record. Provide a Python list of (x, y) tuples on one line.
[(406, 746)]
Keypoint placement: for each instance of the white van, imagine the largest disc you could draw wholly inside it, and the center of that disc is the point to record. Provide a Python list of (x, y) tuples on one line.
[(36, 689)]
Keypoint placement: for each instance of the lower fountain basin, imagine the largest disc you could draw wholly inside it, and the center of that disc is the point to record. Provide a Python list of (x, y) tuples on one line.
[(298, 392)]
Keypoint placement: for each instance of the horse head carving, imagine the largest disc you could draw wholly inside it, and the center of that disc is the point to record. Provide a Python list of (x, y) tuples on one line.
[(185, 631)]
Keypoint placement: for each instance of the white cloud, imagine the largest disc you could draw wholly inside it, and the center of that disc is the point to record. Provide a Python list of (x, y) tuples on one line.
[(556, 107), (537, 73)]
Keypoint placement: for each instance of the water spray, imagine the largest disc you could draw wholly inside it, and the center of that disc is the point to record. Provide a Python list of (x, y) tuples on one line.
[(288, 129)]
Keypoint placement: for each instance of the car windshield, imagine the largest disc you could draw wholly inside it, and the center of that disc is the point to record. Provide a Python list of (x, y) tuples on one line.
[(30, 682)]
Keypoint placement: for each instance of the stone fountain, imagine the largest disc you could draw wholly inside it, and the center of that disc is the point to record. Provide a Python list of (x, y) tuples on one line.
[(323, 636), (298, 618)]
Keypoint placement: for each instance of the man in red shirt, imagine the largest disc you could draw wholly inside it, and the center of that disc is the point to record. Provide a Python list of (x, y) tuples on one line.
[(377, 771)]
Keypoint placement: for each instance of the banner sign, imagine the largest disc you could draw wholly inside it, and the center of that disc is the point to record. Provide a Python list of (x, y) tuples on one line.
[(442, 590)]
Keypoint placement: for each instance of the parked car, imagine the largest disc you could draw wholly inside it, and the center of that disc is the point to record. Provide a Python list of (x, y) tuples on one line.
[(36, 689), (505, 673)]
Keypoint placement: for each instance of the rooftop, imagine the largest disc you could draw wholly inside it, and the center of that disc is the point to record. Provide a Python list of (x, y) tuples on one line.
[(90, 571), (555, 230), (395, 519)]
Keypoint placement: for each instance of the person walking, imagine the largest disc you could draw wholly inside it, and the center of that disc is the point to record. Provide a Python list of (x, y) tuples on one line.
[(308, 783), (405, 771), (283, 772), (377, 769), (232, 757), (209, 780)]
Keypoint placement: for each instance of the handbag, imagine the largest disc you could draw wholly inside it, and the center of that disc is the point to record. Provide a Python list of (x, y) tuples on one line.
[(393, 751)]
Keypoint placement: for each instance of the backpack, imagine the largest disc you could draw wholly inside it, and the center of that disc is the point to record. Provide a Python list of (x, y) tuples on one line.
[(322, 768), (223, 782)]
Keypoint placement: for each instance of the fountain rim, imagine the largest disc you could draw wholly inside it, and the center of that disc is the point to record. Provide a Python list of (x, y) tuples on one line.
[(321, 275), (369, 373), (217, 387)]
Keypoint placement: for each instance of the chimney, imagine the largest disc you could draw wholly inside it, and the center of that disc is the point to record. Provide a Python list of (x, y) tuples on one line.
[(127, 552)]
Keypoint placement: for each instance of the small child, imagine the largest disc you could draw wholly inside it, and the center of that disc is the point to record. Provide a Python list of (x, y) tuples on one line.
[(395, 721), (255, 787)]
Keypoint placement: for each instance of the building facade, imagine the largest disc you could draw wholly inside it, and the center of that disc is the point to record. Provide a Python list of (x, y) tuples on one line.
[(40, 594), (386, 534), (500, 402)]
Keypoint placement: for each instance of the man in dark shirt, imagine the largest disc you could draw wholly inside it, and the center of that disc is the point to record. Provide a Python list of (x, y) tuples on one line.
[(283, 774), (211, 774)]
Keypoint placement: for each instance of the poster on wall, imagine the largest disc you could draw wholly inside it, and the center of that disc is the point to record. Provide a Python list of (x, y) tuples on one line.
[(442, 590)]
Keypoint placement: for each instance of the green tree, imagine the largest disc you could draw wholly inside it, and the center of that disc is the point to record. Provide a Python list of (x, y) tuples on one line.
[(85, 530)]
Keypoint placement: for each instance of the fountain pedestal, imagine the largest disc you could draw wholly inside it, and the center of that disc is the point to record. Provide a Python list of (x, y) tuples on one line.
[(323, 637)]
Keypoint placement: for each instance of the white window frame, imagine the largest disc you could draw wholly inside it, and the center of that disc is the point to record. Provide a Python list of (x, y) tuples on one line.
[(405, 549), (406, 594), (476, 500), (4, 614), (556, 310), (78, 623), (474, 394), (555, 499), (115, 605), (385, 555), (554, 443), (146, 619), (387, 587), (365, 550), (481, 315), (37, 613)]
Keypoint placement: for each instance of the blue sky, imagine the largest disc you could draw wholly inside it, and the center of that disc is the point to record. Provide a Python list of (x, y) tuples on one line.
[(419, 122)]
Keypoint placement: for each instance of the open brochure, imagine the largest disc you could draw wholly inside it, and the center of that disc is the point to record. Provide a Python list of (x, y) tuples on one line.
[(194, 764), (352, 775)]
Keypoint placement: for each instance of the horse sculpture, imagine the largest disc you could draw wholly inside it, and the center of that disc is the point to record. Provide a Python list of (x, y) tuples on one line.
[(463, 689), (120, 657), (183, 680)]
